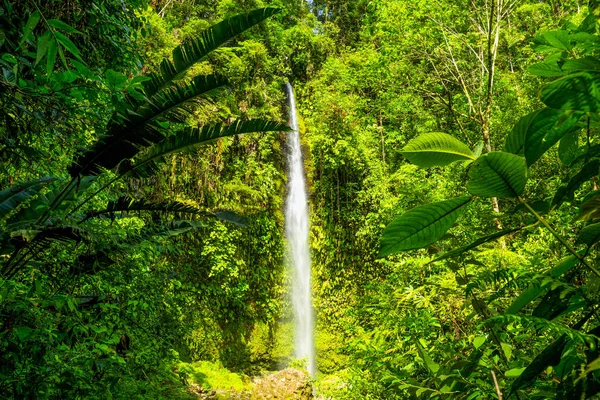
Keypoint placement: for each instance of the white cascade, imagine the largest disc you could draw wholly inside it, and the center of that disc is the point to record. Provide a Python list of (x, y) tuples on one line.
[(296, 232)]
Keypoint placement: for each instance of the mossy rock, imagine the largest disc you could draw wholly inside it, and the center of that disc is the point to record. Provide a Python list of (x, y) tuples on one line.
[(289, 384), (212, 381)]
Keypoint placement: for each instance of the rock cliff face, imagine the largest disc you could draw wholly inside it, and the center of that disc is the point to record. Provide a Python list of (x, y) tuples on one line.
[(289, 384)]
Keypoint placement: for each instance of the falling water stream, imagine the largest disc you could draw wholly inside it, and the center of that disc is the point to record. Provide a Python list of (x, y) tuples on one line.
[(296, 232)]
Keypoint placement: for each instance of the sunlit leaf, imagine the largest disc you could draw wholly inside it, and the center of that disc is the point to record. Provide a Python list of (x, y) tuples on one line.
[(436, 149), (515, 372), (559, 39)]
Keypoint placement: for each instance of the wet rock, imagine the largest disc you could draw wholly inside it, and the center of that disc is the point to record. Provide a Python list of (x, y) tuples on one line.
[(289, 384)]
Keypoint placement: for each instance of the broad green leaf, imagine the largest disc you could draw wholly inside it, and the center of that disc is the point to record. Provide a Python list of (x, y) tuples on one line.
[(507, 350), (589, 235), (23, 332), (68, 44), (515, 141), (42, 46), (550, 356), (51, 56), (478, 242), (589, 24), (587, 172), (57, 24), (546, 68), (436, 149), (568, 148), (13, 197), (534, 291), (538, 131), (478, 149), (432, 366), (515, 372), (581, 64), (548, 128), (478, 341), (115, 78), (497, 174), (421, 226), (559, 40), (577, 92), (32, 21)]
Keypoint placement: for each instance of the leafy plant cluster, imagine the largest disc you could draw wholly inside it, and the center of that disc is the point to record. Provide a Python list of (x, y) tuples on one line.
[(556, 306)]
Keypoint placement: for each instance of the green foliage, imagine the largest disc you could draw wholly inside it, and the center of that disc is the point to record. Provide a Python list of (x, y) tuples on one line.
[(563, 311), (131, 257)]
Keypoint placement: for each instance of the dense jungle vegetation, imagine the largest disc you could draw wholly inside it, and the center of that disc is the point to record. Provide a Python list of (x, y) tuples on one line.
[(451, 152)]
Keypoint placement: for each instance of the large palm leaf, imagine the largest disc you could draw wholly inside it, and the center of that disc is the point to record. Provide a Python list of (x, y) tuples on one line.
[(191, 137), (185, 139), (124, 140), (127, 205)]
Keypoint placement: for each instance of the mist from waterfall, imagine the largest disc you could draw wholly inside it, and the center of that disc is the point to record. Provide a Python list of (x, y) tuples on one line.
[(296, 232)]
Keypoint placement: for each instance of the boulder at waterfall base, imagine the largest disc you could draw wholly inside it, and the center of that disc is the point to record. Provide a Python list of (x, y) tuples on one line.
[(289, 384)]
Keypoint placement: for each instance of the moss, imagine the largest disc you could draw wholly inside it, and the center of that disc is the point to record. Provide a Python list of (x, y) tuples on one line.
[(283, 349), (329, 351), (333, 386), (213, 376)]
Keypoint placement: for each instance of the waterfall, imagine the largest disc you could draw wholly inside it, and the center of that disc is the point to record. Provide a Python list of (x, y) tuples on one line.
[(296, 232)]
